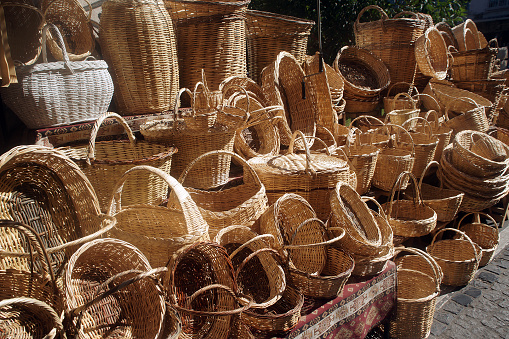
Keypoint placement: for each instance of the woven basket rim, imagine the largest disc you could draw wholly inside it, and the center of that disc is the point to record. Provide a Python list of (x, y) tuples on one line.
[(271, 15)]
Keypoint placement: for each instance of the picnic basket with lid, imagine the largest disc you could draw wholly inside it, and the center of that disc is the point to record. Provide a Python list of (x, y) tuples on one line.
[(61, 92), (157, 231), (105, 161), (485, 236), (137, 41)]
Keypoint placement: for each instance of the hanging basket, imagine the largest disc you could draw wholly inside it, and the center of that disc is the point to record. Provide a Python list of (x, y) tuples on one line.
[(458, 258), (431, 54), (238, 205), (105, 161), (157, 231), (409, 218), (485, 236)]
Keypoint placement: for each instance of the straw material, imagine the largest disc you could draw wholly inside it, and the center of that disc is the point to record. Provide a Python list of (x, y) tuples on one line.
[(471, 118), (365, 76), (392, 103), (96, 271), (444, 201), (157, 231), (464, 32), (238, 205), (439, 130), (364, 159), (259, 270), (458, 258), (431, 54), (59, 93), (447, 34), (392, 40), (44, 189), (409, 218), (378, 136), (425, 144), (416, 298), (363, 237), (28, 318), (200, 285), (399, 116), (105, 161), (74, 23), (210, 36), (270, 33), (485, 236), (138, 42)]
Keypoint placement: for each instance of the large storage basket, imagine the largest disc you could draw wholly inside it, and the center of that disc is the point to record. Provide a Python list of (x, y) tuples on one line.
[(210, 36), (105, 161), (138, 42), (61, 92), (270, 33), (46, 190), (157, 231), (392, 40), (106, 284)]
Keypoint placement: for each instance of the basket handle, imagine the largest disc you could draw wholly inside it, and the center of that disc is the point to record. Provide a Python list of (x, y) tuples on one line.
[(367, 117), (380, 208), (60, 42), (439, 108), (34, 240), (350, 164), (413, 14), (324, 229), (435, 117), (177, 101), (383, 15), (41, 307), (440, 172), (330, 134), (411, 87), (205, 93), (397, 183), (95, 130), (408, 134), (189, 208), (424, 121), (188, 302), (463, 235), (447, 108), (428, 258), (242, 89), (262, 120), (281, 262), (296, 134), (250, 241), (477, 214), (237, 157)]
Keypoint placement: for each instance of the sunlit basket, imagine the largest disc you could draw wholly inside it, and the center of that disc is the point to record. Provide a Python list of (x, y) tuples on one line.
[(487, 237), (391, 103), (363, 159), (472, 117), (373, 131), (442, 132), (462, 35), (431, 54), (424, 142), (400, 116), (447, 33)]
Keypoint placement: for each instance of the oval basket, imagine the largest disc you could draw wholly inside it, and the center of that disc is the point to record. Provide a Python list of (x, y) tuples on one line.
[(485, 236), (431, 54), (400, 116), (391, 103)]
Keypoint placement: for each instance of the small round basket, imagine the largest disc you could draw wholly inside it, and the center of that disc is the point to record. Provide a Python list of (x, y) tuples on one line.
[(390, 101), (431, 54), (458, 258), (485, 236), (376, 134), (399, 116)]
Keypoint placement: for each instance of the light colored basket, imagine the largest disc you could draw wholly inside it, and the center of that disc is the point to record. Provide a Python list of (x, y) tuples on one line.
[(391, 103), (138, 42), (379, 136), (363, 159), (474, 64), (431, 54), (270, 33), (399, 116), (465, 31), (442, 132), (157, 231), (485, 236), (472, 118), (59, 93), (104, 162), (447, 33)]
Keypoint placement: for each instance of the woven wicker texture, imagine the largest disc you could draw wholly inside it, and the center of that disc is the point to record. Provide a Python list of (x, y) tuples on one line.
[(363, 159), (199, 285), (371, 131), (365, 76), (458, 258), (471, 118), (96, 272), (474, 64), (270, 33), (447, 34), (424, 143), (138, 42), (59, 93), (74, 23), (409, 218), (400, 116), (431, 54), (402, 102), (467, 35), (485, 236), (392, 40), (157, 231), (44, 189), (439, 130), (210, 36), (238, 205), (416, 298), (348, 211), (105, 161)]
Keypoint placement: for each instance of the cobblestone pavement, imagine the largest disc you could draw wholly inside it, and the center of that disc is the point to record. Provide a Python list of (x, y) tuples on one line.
[(479, 309)]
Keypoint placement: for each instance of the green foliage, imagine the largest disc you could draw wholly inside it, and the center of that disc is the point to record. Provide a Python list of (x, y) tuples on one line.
[(338, 16)]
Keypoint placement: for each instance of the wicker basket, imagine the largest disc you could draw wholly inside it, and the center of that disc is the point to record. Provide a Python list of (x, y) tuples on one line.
[(106, 283), (41, 187), (431, 54), (474, 64), (348, 211), (425, 144), (458, 258), (105, 161), (485, 236), (416, 298), (238, 205), (443, 133), (363, 159), (399, 116), (391, 103), (392, 40), (467, 35), (409, 218), (444, 201), (379, 135), (70, 17), (447, 33), (270, 33), (473, 118), (138, 42), (210, 36), (59, 93), (365, 77), (157, 231)]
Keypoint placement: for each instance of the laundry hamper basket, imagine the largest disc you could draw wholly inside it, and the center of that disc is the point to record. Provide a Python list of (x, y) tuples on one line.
[(105, 161)]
